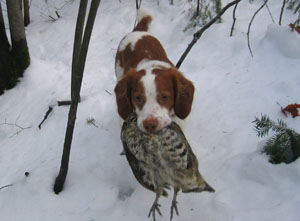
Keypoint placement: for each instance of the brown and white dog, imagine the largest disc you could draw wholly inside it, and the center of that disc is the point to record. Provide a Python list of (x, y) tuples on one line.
[(148, 82)]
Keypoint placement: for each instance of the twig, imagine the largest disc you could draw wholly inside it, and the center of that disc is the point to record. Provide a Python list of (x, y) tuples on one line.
[(58, 16), (52, 19), (249, 26), (281, 12), (199, 33), (63, 103), (16, 125), (66, 102), (137, 4), (6, 186), (46, 116), (108, 92), (270, 13), (234, 19)]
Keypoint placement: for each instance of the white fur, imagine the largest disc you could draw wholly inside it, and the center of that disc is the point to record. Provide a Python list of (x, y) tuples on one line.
[(148, 65), (152, 109), (142, 14), (131, 39), (119, 70)]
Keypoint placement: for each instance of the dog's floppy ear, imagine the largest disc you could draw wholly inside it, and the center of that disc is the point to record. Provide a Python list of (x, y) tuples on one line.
[(122, 91), (184, 94)]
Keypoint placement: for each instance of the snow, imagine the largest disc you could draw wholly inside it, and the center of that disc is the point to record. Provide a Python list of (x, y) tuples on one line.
[(231, 89)]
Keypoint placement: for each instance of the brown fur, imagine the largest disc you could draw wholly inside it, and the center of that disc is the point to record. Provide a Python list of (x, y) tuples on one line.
[(173, 89), (180, 89), (143, 24)]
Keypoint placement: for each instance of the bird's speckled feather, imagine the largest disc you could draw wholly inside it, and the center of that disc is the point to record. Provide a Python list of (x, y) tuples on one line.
[(162, 160)]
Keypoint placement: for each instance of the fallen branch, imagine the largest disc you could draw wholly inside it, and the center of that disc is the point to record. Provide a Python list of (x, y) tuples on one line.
[(16, 125), (63, 103), (249, 26), (108, 92), (6, 186), (46, 116), (58, 16), (199, 33), (66, 102)]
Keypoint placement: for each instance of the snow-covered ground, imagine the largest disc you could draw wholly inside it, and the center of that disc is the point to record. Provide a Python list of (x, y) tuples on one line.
[(231, 89)]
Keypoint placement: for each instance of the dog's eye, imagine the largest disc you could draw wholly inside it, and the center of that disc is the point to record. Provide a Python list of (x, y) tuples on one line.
[(138, 99), (164, 98)]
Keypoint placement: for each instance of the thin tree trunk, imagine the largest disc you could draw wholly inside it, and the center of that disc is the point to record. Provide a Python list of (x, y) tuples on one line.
[(78, 64), (198, 8), (77, 43), (26, 13), (4, 39), (8, 75), (18, 38), (20, 4)]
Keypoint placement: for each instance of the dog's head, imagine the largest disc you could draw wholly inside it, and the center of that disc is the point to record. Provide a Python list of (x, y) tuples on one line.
[(155, 94)]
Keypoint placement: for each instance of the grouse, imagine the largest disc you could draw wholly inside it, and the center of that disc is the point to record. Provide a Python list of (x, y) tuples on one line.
[(162, 160)]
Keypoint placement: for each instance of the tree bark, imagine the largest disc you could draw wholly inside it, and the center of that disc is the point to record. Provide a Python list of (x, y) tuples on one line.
[(77, 43), (78, 63), (18, 38), (8, 75), (2, 30), (26, 13)]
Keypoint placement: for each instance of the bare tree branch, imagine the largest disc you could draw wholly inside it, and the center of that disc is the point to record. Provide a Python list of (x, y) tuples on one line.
[(249, 26), (282, 10), (199, 33), (270, 13), (234, 19), (137, 4)]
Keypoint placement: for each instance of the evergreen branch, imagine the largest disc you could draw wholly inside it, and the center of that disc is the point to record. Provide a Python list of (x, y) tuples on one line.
[(264, 125), (284, 145), (277, 148)]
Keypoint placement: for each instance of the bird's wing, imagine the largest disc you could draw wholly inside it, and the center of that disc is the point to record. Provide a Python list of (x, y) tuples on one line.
[(181, 152)]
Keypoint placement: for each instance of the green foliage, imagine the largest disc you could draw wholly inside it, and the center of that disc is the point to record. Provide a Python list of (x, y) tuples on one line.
[(218, 6), (91, 121), (284, 145), (203, 11), (294, 5)]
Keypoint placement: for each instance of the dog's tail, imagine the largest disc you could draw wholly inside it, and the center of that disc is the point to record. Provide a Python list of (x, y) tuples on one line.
[(143, 21)]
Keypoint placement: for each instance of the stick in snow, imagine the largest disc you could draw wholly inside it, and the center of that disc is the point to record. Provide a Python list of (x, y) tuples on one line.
[(46, 116)]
